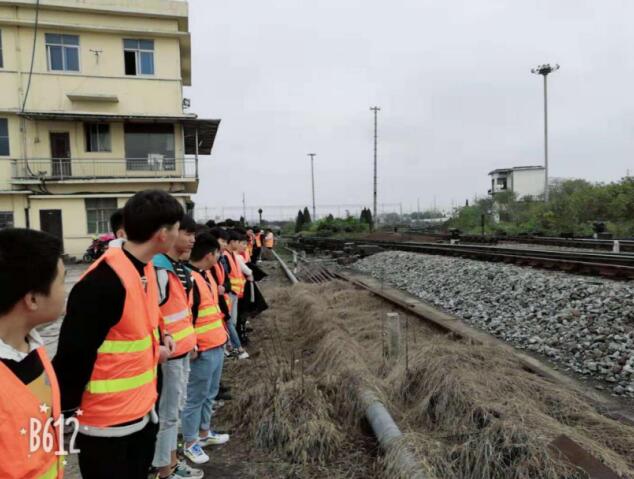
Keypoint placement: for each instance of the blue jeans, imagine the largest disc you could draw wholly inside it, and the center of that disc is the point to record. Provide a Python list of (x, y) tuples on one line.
[(169, 407), (202, 387), (234, 339)]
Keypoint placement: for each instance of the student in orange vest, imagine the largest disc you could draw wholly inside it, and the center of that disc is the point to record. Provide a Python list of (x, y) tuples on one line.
[(250, 241), (237, 281), (208, 357), (241, 256), (175, 284), (109, 345), (269, 239), (32, 286), (257, 246), (221, 273)]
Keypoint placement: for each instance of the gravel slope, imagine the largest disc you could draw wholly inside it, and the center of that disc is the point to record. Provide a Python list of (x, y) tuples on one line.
[(585, 324)]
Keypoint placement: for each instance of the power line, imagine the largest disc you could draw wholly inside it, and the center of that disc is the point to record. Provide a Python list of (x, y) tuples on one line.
[(28, 84)]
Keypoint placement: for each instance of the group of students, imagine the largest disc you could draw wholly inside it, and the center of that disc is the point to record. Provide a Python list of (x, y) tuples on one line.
[(141, 347)]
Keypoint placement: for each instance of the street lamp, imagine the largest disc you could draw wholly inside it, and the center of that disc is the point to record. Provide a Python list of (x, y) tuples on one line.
[(545, 70), (312, 176)]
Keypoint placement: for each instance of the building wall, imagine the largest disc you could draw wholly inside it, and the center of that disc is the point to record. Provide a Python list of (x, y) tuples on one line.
[(528, 183), (74, 218), (17, 205), (102, 25), (102, 75)]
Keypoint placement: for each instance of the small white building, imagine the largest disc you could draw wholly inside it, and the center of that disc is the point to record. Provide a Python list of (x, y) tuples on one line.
[(522, 180)]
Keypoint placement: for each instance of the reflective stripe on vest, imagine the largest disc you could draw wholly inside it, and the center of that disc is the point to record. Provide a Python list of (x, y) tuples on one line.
[(177, 317), (19, 407), (109, 347), (210, 331), (122, 386), (106, 386)]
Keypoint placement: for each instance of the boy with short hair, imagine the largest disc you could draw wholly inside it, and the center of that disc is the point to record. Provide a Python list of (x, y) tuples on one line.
[(175, 283), (109, 344), (32, 286), (208, 358)]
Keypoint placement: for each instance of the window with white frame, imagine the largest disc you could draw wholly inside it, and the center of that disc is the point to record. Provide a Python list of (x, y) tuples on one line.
[(97, 137), (4, 137), (62, 52), (98, 212), (6, 219), (138, 56)]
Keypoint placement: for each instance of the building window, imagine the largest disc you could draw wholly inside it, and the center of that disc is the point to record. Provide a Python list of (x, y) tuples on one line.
[(138, 56), (98, 212), (1, 56), (97, 137), (6, 219), (4, 137), (149, 146), (62, 52)]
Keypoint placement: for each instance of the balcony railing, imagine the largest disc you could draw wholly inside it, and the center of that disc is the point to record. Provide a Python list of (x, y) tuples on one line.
[(61, 169)]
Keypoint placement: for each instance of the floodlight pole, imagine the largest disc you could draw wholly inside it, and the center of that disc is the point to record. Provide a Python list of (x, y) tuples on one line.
[(545, 70), (375, 218), (312, 176)]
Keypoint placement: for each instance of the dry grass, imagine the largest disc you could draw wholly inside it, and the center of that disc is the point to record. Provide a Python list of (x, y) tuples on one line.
[(467, 411)]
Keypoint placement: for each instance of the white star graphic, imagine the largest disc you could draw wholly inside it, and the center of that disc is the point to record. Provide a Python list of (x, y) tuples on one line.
[(23, 431), (79, 412), (65, 462), (44, 408)]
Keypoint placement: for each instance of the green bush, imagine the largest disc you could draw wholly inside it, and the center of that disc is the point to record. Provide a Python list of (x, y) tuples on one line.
[(329, 226), (574, 205)]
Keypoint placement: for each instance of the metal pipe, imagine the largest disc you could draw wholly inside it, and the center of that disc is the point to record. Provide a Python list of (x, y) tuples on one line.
[(388, 434), (385, 429), (288, 272)]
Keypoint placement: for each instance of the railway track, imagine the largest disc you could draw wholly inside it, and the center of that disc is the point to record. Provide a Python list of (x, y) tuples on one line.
[(626, 245), (614, 265), (311, 272)]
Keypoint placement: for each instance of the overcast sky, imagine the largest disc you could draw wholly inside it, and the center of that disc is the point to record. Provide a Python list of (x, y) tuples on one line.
[(452, 78)]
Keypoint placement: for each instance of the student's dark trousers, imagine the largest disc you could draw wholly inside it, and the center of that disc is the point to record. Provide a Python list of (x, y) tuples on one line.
[(127, 457)]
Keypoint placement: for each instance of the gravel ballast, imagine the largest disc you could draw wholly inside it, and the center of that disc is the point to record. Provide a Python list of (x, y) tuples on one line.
[(585, 324)]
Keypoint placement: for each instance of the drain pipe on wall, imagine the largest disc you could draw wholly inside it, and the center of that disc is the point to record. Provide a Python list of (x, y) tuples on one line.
[(385, 429)]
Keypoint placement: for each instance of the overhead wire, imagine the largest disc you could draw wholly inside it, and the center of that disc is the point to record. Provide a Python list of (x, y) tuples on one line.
[(35, 28)]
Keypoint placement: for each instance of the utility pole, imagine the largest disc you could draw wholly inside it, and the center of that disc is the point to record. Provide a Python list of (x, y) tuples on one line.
[(244, 208), (545, 70), (312, 175), (376, 110)]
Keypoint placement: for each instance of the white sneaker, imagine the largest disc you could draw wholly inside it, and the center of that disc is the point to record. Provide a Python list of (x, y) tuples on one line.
[(185, 470), (217, 404), (196, 454), (243, 355), (213, 439)]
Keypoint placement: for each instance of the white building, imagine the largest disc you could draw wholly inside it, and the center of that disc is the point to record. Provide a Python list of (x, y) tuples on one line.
[(522, 180)]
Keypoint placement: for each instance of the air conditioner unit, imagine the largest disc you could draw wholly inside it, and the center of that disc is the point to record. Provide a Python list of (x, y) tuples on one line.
[(155, 161)]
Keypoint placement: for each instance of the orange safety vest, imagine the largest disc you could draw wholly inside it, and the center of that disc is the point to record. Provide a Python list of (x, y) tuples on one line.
[(122, 385), (177, 317), (220, 273), (18, 408), (236, 276), (246, 255), (258, 240), (269, 240), (209, 327)]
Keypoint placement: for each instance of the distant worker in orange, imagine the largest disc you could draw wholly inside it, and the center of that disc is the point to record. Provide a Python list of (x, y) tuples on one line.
[(269, 239)]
